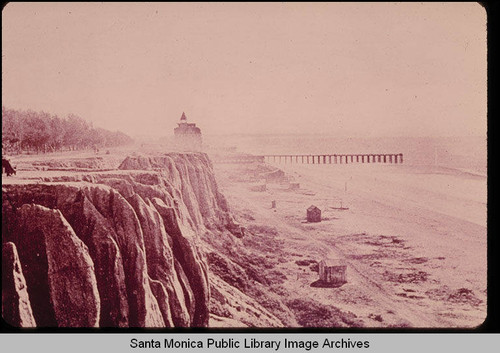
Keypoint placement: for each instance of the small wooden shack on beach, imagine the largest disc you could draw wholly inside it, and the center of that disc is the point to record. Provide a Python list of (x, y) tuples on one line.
[(313, 214), (332, 271)]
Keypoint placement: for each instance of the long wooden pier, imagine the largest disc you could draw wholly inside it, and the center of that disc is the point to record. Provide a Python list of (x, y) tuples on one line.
[(334, 158)]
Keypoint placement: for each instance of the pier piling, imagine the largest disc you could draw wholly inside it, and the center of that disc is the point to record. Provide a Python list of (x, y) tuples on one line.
[(337, 158)]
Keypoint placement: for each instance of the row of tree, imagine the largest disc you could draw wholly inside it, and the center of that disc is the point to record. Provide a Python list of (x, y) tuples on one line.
[(29, 131)]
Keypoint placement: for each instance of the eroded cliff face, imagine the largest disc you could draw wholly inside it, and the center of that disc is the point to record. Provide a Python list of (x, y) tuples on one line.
[(16, 308), (123, 248)]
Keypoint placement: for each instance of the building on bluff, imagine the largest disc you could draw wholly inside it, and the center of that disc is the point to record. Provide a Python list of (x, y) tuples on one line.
[(187, 136)]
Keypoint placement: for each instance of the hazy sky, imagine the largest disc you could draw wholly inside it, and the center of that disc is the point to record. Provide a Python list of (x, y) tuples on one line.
[(370, 69)]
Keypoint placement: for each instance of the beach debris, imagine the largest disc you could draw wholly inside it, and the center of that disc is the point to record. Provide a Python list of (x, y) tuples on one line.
[(409, 296), (273, 204), (457, 296), (411, 277), (313, 214), (376, 317), (464, 295), (342, 207), (417, 260), (294, 186), (305, 262)]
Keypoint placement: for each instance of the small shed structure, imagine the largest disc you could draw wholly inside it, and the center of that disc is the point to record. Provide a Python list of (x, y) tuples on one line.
[(313, 214), (332, 271)]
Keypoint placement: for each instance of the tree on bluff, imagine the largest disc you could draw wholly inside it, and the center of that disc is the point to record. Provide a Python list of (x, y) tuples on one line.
[(29, 131)]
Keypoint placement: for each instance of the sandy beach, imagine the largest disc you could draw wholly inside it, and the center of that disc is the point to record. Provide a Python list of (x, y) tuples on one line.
[(414, 238)]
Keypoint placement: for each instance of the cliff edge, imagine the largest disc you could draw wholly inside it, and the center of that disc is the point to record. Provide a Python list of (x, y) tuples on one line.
[(121, 248)]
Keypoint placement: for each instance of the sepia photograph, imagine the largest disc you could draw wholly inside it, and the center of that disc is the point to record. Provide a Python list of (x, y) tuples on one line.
[(244, 165)]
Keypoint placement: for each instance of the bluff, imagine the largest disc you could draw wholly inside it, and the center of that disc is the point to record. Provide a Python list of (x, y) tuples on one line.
[(121, 248)]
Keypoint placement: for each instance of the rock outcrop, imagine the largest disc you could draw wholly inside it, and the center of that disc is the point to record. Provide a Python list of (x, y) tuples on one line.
[(16, 306), (121, 248), (70, 270)]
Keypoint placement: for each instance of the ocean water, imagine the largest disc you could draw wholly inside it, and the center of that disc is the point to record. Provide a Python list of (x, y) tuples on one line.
[(463, 153)]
